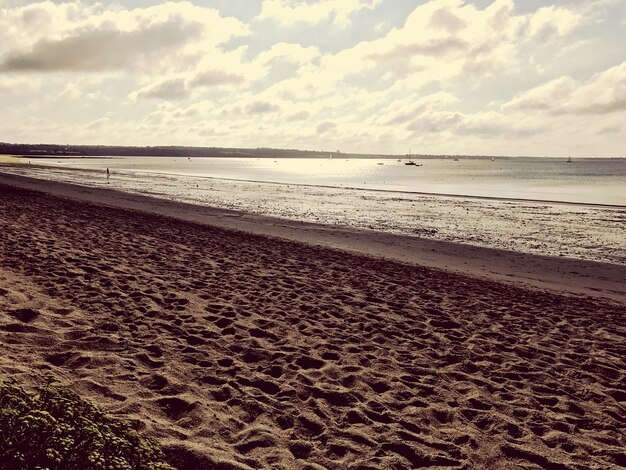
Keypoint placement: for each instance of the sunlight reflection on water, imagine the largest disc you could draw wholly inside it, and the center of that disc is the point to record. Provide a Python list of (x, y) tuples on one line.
[(596, 181), (556, 229)]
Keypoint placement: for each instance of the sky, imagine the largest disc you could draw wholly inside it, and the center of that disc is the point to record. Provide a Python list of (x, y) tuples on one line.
[(482, 77)]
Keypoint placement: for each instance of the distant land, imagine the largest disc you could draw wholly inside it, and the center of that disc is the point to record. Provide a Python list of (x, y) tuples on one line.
[(77, 151), (56, 150)]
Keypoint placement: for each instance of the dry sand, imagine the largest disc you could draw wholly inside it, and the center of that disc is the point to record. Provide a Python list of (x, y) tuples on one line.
[(239, 350)]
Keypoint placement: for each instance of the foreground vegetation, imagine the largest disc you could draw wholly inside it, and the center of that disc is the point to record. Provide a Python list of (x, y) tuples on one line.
[(53, 428)]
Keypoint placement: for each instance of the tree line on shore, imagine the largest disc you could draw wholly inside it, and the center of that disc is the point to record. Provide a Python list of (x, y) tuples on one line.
[(46, 150)]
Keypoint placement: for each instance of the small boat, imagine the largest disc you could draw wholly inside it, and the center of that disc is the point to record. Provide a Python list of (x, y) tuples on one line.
[(409, 161), (456, 159), (493, 159), (380, 163), (569, 160)]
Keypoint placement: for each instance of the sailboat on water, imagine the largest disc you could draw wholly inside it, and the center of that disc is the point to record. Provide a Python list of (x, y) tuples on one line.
[(569, 160), (409, 161)]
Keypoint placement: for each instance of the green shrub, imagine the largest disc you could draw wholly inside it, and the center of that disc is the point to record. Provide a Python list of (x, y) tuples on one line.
[(54, 428)]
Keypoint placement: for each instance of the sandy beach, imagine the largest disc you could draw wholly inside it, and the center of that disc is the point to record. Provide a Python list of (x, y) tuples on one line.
[(249, 342)]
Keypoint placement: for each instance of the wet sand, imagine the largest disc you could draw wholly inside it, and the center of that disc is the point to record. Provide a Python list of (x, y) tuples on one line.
[(239, 349), (575, 231)]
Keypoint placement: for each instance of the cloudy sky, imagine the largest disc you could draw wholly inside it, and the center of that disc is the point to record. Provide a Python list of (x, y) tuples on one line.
[(503, 77)]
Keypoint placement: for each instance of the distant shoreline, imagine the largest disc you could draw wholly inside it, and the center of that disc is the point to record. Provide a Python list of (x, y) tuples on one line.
[(325, 157), (79, 151)]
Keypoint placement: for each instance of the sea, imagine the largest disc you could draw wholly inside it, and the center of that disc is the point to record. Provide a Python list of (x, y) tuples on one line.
[(545, 206), (587, 181)]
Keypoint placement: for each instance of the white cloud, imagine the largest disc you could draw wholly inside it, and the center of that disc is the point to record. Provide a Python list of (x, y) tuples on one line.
[(76, 37), (101, 49), (290, 12), (211, 78), (172, 89), (98, 124), (402, 111), (261, 107), (16, 86), (561, 20), (603, 93), (182, 87), (299, 116), (441, 40), (326, 126), (283, 51), (544, 97)]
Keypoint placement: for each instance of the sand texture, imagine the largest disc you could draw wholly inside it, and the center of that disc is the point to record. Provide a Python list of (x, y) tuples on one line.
[(241, 351), (555, 273)]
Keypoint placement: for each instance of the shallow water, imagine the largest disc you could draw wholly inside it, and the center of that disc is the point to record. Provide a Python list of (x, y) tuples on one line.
[(576, 231), (593, 181)]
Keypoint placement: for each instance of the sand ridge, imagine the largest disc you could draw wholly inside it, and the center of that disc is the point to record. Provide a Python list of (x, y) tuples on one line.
[(251, 352)]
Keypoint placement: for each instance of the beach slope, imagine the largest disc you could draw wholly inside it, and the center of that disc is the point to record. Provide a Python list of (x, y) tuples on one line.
[(242, 350)]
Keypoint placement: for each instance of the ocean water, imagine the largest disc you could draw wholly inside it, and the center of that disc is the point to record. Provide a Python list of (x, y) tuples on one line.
[(575, 210), (591, 181)]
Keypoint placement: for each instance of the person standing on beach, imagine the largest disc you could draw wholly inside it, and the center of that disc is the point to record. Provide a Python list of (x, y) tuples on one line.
[(108, 173)]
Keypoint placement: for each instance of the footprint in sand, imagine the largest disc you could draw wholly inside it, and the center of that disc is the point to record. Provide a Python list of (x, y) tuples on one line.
[(25, 315)]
